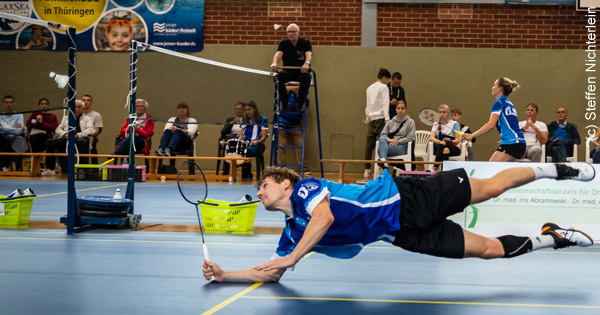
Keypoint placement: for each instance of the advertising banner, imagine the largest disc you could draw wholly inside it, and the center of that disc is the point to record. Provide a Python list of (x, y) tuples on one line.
[(105, 25)]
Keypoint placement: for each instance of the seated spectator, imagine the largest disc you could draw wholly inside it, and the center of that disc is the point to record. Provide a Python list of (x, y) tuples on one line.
[(561, 137), (446, 143), (291, 119), (535, 133), (595, 153), (232, 129), (12, 131), (456, 115), (178, 133), (255, 130), (396, 134), (96, 120), (41, 126), (144, 129), (84, 128)]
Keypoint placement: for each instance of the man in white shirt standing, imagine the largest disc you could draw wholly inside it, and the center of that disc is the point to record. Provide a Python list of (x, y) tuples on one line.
[(96, 120), (535, 132), (377, 115)]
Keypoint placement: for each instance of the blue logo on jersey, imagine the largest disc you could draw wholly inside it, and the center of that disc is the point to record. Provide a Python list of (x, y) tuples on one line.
[(306, 188)]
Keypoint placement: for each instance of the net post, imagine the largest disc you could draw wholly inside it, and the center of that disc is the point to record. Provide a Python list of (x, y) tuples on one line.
[(73, 217), (132, 98)]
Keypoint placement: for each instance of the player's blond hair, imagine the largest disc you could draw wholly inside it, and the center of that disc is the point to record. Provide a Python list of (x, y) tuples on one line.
[(279, 174)]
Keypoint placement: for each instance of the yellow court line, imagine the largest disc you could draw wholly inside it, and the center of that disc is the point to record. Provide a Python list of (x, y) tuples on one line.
[(241, 294), (422, 302), (232, 299), (85, 189)]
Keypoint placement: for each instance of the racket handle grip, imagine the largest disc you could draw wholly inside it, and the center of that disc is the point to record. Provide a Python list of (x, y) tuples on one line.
[(207, 257), (205, 249)]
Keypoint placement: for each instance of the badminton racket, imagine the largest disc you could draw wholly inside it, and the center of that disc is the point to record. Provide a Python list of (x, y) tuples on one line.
[(429, 116), (194, 194)]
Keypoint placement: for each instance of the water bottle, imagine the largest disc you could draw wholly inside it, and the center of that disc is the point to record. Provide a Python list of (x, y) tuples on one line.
[(246, 198), (117, 195)]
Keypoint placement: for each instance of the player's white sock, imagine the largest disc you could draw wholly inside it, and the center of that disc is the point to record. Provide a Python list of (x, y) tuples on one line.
[(545, 171), (541, 241)]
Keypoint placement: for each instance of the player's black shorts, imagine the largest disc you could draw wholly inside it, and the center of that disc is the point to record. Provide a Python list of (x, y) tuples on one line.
[(424, 207), (515, 150)]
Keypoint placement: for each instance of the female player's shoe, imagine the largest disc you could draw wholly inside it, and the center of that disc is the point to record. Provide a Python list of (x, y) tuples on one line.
[(566, 237), (577, 171)]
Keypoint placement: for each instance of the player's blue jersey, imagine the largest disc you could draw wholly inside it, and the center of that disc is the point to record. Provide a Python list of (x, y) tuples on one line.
[(363, 215), (508, 122)]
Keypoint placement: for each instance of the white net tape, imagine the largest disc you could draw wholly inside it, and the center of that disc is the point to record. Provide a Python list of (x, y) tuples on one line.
[(206, 61)]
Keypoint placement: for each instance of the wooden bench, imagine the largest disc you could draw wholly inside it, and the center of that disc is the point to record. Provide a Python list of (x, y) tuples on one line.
[(152, 172), (343, 162)]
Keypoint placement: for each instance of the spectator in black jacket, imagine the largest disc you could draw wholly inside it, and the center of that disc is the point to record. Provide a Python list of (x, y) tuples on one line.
[(562, 136)]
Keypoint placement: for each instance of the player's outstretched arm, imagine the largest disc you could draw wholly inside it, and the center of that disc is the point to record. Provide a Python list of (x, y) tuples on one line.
[(319, 223), (249, 275), (485, 128)]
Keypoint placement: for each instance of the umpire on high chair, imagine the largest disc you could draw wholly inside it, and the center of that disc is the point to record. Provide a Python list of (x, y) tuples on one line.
[(295, 52)]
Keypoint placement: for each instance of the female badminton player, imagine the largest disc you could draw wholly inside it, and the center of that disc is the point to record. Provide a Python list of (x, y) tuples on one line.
[(504, 117)]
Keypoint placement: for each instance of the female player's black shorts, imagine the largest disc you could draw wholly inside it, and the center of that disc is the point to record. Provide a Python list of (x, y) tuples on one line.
[(515, 150), (424, 207)]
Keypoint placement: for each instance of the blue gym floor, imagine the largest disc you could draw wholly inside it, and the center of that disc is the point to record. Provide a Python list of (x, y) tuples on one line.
[(141, 272)]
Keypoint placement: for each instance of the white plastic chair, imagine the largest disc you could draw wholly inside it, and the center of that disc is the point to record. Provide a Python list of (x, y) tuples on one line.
[(588, 150), (422, 145), (406, 157), (569, 158), (542, 157)]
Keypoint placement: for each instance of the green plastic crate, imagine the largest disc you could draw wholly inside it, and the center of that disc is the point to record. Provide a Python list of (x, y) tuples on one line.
[(228, 217), (15, 211), (95, 172)]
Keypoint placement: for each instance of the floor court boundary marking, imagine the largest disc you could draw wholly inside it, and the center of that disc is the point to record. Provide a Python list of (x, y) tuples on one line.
[(229, 243), (420, 302), (232, 299), (84, 189)]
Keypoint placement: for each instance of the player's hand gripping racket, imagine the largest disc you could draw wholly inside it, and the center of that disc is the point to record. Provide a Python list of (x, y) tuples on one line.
[(194, 193)]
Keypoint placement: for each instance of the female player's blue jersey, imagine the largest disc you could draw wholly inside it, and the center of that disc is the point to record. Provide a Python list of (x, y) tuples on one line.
[(508, 122), (363, 215)]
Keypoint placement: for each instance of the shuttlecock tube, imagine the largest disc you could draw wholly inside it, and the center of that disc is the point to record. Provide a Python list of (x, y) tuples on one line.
[(246, 198)]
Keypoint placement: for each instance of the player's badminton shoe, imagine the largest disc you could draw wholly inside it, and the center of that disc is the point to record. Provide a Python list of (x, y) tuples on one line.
[(577, 171), (566, 237)]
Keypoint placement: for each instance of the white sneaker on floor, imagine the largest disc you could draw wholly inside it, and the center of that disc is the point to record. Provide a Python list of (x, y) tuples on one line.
[(368, 173), (48, 172)]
